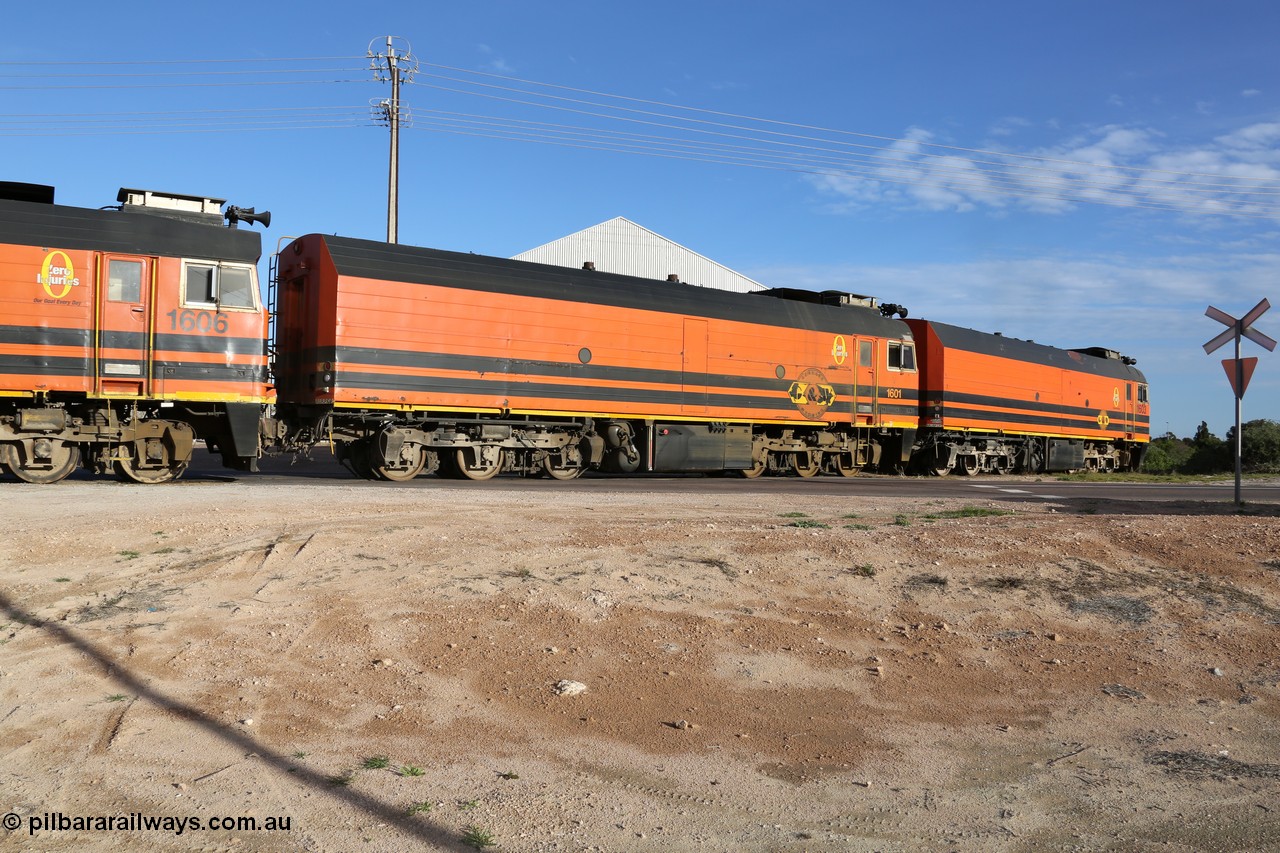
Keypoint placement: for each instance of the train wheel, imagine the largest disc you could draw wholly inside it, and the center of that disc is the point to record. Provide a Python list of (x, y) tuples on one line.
[(40, 461), (940, 471), (128, 471), (556, 472), (807, 464), (759, 464), (967, 465), (159, 466), (479, 463), (403, 470), (563, 466), (845, 466)]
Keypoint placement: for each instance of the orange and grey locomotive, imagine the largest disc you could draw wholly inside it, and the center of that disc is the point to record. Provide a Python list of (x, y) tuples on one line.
[(411, 360), (126, 333)]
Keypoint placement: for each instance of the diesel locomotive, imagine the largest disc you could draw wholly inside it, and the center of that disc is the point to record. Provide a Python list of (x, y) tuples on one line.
[(129, 333)]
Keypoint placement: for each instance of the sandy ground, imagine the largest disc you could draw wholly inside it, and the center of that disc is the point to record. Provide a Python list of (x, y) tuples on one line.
[(380, 667)]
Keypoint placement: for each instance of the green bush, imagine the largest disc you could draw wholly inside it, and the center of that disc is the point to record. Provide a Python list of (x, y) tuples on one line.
[(1166, 455), (1205, 453), (1259, 446)]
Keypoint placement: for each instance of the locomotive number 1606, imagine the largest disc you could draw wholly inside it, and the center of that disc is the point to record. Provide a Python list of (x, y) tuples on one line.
[(197, 321)]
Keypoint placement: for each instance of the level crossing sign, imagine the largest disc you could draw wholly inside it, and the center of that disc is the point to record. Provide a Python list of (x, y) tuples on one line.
[(1239, 370)]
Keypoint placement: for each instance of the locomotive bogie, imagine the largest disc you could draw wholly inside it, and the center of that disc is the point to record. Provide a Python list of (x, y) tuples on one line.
[(45, 444)]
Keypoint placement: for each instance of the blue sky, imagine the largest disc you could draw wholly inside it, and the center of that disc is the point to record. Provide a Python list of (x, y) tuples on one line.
[(1079, 174)]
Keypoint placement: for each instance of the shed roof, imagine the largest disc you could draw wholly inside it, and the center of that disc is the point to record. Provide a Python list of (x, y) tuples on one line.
[(621, 246)]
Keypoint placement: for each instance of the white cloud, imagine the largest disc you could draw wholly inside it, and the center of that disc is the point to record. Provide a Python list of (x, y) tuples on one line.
[(1250, 93), (1118, 165), (495, 63), (1009, 125)]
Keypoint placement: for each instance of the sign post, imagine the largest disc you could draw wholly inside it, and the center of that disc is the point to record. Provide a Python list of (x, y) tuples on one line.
[(1239, 370)]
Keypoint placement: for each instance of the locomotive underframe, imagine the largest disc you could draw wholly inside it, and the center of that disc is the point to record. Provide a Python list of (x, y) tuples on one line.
[(941, 453), (402, 445), (44, 438)]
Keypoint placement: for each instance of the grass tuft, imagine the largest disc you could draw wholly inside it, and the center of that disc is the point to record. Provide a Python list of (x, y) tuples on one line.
[(973, 512), (474, 836)]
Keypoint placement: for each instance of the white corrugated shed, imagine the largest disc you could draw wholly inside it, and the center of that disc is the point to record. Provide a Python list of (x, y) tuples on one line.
[(621, 246)]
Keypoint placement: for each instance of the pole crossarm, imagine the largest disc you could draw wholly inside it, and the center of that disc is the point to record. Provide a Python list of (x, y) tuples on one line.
[(394, 67)]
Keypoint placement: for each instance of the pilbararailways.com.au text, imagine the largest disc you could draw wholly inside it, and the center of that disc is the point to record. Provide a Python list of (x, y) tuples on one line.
[(138, 822)]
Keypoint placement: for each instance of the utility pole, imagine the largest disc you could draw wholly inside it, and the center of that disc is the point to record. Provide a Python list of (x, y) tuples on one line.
[(394, 66)]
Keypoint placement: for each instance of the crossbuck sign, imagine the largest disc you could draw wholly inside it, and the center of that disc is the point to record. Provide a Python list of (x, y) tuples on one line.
[(1239, 370)]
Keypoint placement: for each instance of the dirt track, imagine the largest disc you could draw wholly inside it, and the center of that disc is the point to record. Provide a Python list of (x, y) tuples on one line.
[(865, 676)]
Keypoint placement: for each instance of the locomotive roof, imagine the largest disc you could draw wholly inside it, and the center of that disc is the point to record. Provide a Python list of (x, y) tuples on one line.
[(35, 223), (394, 262), (971, 340)]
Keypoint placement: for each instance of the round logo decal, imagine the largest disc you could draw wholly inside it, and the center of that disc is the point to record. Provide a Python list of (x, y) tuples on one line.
[(838, 350), (812, 394), (57, 275)]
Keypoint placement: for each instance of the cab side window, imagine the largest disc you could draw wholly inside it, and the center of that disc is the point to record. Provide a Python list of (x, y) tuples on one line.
[(236, 287), (200, 290), (902, 355), (208, 284)]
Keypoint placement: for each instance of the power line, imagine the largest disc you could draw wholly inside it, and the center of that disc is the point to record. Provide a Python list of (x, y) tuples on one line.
[(679, 132), (835, 156), (175, 85), (1014, 185), (1004, 154), (177, 121), (1082, 183), (875, 176), (44, 76), (63, 63)]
